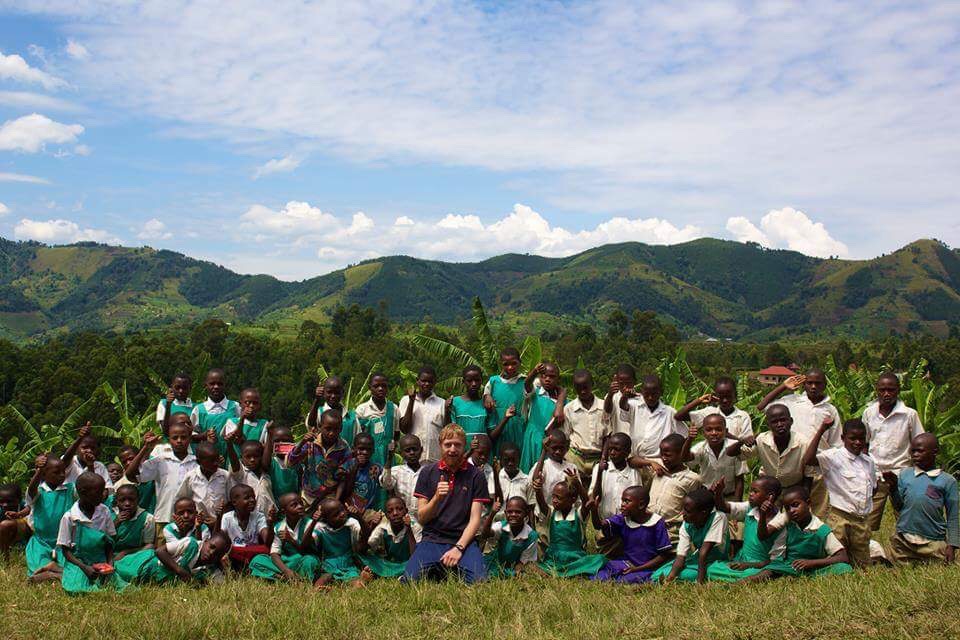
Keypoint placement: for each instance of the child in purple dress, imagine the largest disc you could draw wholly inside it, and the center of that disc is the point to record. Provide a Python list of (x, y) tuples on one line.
[(646, 543)]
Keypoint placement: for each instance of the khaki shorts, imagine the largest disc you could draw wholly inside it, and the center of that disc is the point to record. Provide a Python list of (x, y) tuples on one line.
[(853, 531), (902, 551), (583, 461)]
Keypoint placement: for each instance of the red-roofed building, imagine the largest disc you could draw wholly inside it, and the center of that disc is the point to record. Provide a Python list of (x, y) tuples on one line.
[(774, 375)]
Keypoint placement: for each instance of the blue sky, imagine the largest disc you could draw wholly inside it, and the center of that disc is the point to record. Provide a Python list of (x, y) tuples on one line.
[(293, 138)]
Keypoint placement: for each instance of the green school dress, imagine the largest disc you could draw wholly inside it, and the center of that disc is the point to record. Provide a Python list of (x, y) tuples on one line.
[(130, 533), (350, 427), (753, 550), (540, 414), (807, 545), (304, 565), (217, 422), (148, 496), (566, 554), (472, 417), (90, 547), (697, 536), (337, 549), (48, 508), (252, 431), (381, 429), (505, 394), (393, 561), (283, 480), (144, 567), (503, 559)]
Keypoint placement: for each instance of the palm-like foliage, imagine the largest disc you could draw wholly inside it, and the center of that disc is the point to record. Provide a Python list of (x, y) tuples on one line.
[(131, 426)]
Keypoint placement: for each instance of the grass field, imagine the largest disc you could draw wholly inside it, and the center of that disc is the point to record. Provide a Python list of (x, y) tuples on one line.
[(881, 603)]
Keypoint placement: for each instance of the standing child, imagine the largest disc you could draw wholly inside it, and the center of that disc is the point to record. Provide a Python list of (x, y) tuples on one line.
[(625, 377), (82, 455), (210, 417), (291, 555), (928, 527), (14, 527), (670, 487), (566, 554), (176, 401), (250, 425), (330, 392), (85, 538), (392, 541), (513, 482), (514, 541), (585, 424), (703, 540), (722, 401), (504, 394), (811, 548), (379, 418), (188, 522), (49, 500), (759, 513), (849, 475), (780, 449), (422, 412), (552, 468), (543, 409), (400, 481), (136, 529), (147, 490), (283, 478), (248, 470), (338, 538), (249, 530), (650, 420), (468, 410), (364, 496), (207, 485), (641, 535), (611, 477), (323, 464)]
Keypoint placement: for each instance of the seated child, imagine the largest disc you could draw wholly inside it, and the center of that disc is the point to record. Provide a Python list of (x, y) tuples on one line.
[(514, 541), (338, 539), (928, 527), (187, 522), (49, 501), (543, 409), (136, 529), (512, 482), (503, 394), (206, 484), (283, 479), (292, 556), (479, 456), (669, 488), (469, 410), (249, 470), (759, 513), (610, 477), (566, 554), (392, 541), (364, 497), (379, 418), (811, 548), (552, 467), (703, 540), (14, 527), (401, 481), (249, 530), (187, 559), (322, 464), (644, 541), (85, 538)]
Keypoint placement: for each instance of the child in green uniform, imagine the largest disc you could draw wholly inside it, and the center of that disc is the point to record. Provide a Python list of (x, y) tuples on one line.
[(566, 554), (187, 522), (760, 512), (135, 527), (703, 540), (503, 394), (514, 540), (146, 490), (176, 401), (249, 424), (379, 418), (210, 417), (186, 559), (330, 392), (283, 478), (338, 538), (292, 554), (48, 500), (543, 408), (811, 548), (85, 539), (468, 410), (392, 541)]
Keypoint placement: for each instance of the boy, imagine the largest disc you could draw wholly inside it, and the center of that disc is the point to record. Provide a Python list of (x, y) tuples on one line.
[(650, 420), (739, 424), (585, 424), (891, 427), (610, 478), (331, 393), (421, 413), (249, 424), (780, 449), (207, 484), (379, 417), (928, 527), (323, 464), (625, 377), (82, 456), (849, 475), (13, 519), (400, 481), (513, 482), (552, 468), (247, 469), (711, 457), (176, 401), (210, 417), (671, 486)]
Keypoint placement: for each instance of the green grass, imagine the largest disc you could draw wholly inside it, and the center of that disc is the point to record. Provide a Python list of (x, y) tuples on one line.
[(880, 603)]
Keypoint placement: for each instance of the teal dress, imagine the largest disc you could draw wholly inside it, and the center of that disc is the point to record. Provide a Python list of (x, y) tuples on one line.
[(380, 428), (143, 567), (807, 545), (129, 533), (148, 496), (350, 426), (472, 417), (505, 394), (753, 550), (392, 561), (697, 536), (566, 554), (90, 547), (48, 508), (540, 414), (217, 422), (252, 431), (283, 479), (304, 565), (503, 559), (336, 547)]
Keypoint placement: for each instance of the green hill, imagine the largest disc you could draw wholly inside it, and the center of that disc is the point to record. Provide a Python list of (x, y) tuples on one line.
[(707, 287)]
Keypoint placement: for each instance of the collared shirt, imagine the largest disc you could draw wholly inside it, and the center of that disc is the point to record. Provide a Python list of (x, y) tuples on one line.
[(787, 467), (168, 471), (553, 473), (739, 424), (614, 482), (468, 485), (213, 408), (209, 494), (323, 469), (740, 511), (149, 525), (529, 553), (233, 424), (369, 410), (832, 544), (585, 427), (618, 421), (850, 479), (101, 520), (75, 468), (261, 485), (171, 533), (807, 418), (668, 491), (402, 480), (517, 486), (162, 408), (712, 467), (180, 548), (383, 530), (716, 534), (241, 536), (427, 422), (890, 436), (930, 505), (649, 427), (323, 528), (488, 474)]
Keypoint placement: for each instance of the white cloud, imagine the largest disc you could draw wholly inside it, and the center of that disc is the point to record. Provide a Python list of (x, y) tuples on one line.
[(153, 230), (403, 221), (31, 133), (76, 50), (30, 100), (21, 177), (4, 209), (60, 232), (82, 150), (277, 165), (790, 229), (14, 67)]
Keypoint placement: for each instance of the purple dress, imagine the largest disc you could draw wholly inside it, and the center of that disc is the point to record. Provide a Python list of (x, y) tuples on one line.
[(641, 543)]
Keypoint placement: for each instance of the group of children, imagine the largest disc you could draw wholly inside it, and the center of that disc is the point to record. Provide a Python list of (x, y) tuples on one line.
[(224, 490)]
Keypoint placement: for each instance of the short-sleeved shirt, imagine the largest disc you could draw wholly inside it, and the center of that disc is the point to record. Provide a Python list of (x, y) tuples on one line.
[(614, 482), (209, 494), (75, 468), (529, 553), (850, 479), (712, 467), (243, 536), (402, 480), (427, 422), (716, 534), (469, 485), (649, 427), (808, 416), (176, 404), (786, 466), (585, 427), (169, 472), (890, 436), (739, 423), (101, 519), (383, 530)]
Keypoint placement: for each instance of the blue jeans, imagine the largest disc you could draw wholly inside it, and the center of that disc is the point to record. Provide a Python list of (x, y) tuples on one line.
[(425, 563)]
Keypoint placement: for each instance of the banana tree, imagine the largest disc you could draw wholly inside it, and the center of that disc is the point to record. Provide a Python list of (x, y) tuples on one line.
[(131, 426), (351, 400)]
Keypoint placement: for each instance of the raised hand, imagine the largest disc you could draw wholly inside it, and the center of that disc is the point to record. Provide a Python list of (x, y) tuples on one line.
[(614, 386), (510, 412), (41, 461), (443, 487), (171, 396), (211, 435), (693, 431), (150, 439), (769, 507), (84, 430), (318, 392), (247, 413), (795, 382), (890, 478), (707, 398), (392, 447), (717, 489), (657, 467)]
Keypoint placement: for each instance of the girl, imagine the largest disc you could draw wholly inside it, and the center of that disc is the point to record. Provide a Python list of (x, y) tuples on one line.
[(291, 556), (392, 541), (758, 513), (543, 406), (248, 469), (283, 478), (147, 490), (811, 548), (187, 559), (210, 417), (187, 522), (468, 410), (338, 538), (643, 534), (552, 467), (566, 554), (249, 530), (378, 417), (135, 527), (515, 542), (13, 519), (364, 495), (49, 501), (703, 539), (504, 394), (85, 539)]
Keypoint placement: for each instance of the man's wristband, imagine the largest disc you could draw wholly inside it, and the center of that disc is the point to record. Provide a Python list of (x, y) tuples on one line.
[(459, 547)]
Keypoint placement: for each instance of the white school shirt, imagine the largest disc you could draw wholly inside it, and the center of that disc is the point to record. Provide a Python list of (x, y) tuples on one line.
[(739, 423), (208, 493), (149, 525), (213, 408), (101, 520), (168, 472), (243, 536), (403, 480), (501, 528), (75, 468), (807, 418), (554, 472), (383, 530), (712, 467), (162, 408), (427, 422), (648, 428), (832, 544), (668, 491), (890, 436), (715, 534), (585, 427), (171, 533), (277, 545), (517, 486), (619, 423), (740, 511), (614, 482), (850, 479), (262, 487), (351, 524)]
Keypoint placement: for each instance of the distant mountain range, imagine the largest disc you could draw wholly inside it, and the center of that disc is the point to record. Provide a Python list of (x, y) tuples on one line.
[(707, 287)]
